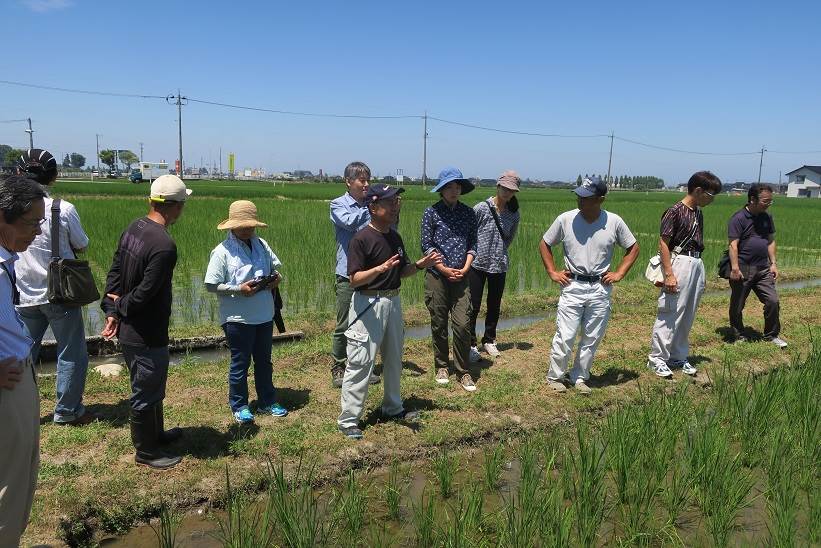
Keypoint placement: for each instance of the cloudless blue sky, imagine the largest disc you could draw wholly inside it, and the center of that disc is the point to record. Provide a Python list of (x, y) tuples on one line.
[(703, 76)]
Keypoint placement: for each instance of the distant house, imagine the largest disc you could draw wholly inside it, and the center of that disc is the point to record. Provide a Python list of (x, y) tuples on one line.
[(804, 182)]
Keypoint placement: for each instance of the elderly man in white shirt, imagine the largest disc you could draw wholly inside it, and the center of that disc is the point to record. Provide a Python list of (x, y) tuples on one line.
[(21, 214), (37, 313)]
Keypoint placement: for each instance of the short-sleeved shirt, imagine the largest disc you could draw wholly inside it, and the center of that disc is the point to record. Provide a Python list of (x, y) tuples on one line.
[(233, 262), (32, 266), (15, 341), (491, 248), (348, 217), (370, 248), (451, 231), (677, 224), (588, 247), (753, 234)]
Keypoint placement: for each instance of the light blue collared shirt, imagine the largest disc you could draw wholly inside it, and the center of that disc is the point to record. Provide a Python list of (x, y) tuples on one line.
[(348, 217), (233, 264), (14, 337)]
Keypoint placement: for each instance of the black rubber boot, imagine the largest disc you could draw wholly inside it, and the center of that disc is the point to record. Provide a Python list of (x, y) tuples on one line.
[(165, 436), (145, 438)]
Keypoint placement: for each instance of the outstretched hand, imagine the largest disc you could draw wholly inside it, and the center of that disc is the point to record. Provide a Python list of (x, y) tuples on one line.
[(387, 265), (431, 259)]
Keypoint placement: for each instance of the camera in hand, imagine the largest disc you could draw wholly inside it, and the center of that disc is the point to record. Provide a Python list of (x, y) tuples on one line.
[(263, 282)]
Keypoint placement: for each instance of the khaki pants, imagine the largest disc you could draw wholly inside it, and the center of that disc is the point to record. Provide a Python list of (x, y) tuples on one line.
[(449, 300), (676, 312), (380, 329), (19, 455)]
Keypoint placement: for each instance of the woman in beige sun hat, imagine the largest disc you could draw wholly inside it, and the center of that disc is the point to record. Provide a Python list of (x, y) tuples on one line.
[(243, 273)]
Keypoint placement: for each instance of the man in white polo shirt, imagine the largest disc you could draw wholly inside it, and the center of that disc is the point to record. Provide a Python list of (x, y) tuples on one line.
[(588, 235)]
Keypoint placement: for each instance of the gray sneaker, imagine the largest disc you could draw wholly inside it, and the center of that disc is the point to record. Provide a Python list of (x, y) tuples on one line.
[(467, 383), (582, 388), (556, 386), (337, 374), (442, 375), (779, 342), (475, 357)]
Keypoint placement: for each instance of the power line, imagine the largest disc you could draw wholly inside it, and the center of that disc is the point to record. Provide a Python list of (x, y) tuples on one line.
[(83, 91), (515, 132), (312, 114), (657, 147), (13, 121), (794, 152)]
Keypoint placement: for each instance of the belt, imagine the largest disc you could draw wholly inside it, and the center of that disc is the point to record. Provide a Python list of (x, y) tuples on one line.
[(693, 254), (583, 278), (379, 292)]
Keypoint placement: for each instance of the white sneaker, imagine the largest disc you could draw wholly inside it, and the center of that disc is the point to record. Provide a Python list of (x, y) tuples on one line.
[(688, 369), (474, 355), (661, 369), (779, 342), (582, 388), (491, 349)]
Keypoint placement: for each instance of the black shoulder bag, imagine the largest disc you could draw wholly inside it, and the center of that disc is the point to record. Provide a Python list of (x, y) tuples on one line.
[(70, 281)]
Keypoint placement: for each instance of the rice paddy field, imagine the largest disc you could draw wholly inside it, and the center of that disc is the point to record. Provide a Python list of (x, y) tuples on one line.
[(301, 234)]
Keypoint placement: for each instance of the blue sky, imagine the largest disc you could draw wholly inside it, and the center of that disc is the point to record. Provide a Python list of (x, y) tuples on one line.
[(703, 76)]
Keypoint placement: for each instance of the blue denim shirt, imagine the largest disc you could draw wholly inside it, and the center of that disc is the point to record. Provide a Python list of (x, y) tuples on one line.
[(451, 232), (348, 217)]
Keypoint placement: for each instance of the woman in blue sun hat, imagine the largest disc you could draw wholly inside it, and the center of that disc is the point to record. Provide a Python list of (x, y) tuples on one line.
[(450, 227)]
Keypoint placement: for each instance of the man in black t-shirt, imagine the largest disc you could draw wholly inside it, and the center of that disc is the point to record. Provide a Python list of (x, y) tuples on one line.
[(377, 262), (137, 306), (751, 232)]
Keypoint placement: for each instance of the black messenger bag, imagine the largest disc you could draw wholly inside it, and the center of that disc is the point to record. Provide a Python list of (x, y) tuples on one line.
[(70, 281)]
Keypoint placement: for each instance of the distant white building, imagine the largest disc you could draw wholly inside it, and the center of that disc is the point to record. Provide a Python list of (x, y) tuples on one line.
[(804, 182)]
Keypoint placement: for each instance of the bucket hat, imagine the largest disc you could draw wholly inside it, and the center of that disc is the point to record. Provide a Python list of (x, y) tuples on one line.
[(509, 180), (241, 214), (450, 174)]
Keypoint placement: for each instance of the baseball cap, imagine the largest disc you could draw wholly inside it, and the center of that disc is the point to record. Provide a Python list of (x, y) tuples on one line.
[(591, 186), (169, 188), (382, 191)]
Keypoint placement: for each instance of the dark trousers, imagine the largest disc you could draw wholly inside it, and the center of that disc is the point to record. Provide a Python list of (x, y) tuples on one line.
[(495, 289), (247, 341), (446, 300), (761, 282), (339, 349), (148, 369)]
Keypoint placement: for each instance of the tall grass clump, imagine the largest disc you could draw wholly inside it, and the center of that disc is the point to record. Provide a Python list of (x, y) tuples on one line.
[(524, 509), (393, 491), (445, 467), (245, 524), (782, 493), (295, 508), (752, 406), (166, 529), (351, 504), (424, 521), (493, 463), (583, 475)]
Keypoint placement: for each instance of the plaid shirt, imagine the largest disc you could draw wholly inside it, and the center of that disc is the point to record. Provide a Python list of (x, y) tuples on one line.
[(677, 224)]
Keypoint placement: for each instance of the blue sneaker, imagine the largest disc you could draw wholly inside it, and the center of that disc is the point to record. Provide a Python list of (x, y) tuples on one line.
[(244, 416), (274, 410)]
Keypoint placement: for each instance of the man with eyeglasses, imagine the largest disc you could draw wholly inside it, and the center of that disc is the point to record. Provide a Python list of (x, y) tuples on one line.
[(681, 243), (751, 232)]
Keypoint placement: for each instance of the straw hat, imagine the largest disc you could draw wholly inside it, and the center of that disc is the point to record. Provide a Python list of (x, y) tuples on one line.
[(241, 214)]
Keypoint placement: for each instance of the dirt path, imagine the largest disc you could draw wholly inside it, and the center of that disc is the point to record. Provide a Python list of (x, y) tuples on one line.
[(88, 475)]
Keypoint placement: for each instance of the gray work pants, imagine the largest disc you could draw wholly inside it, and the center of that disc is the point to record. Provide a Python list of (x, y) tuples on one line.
[(761, 282), (446, 300)]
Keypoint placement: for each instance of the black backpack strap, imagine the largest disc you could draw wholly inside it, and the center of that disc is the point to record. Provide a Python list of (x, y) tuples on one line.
[(55, 229), (492, 208)]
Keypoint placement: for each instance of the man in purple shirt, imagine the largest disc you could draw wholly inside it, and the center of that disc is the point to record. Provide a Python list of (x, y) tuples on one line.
[(751, 232)]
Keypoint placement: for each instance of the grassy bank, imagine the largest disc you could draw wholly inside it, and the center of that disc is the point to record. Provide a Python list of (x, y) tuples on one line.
[(89, 479)]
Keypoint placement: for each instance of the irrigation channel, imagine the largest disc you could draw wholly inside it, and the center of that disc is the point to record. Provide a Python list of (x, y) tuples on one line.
[(214, 350), (737, 465)]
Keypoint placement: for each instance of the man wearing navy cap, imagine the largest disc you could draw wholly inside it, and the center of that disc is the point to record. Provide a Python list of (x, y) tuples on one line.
[(588, 235), (377, 262)]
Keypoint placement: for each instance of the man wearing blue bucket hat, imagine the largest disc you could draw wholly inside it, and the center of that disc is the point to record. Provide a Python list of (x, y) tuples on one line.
[(450, 227), (588, 236)]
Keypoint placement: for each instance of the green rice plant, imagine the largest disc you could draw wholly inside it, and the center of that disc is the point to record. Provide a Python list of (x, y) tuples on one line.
[(351, 504), (393, 491), (752, 404), (380, 537), (445, 467), (584, 477), (677, 490), (556, 520), (493, 463), (424, 521), (524, 508), (245, 525), (531, 474), (166, 529), (295, 508), (782, 493), (722, 483)]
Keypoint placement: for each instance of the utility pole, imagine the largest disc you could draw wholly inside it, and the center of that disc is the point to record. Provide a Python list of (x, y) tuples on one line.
[(98, 152), (610, 160), (31, 133), (178, 100), (425, 152), (141, 152), (761, 162)]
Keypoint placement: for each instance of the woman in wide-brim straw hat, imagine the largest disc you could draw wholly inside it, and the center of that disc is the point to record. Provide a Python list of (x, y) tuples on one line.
[(498, 219), (243, 273)]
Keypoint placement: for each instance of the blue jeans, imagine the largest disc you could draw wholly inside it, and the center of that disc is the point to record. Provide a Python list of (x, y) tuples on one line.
[(247, 341), (72, 355)]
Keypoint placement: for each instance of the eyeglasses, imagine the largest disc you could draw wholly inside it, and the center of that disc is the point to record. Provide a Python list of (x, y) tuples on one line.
[(32, 223), (710, 194)]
